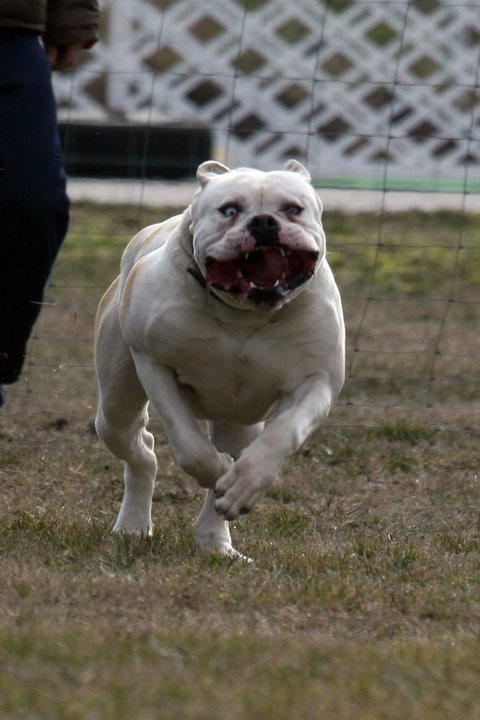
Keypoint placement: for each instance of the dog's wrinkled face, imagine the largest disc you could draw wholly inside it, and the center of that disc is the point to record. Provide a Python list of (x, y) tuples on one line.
[(257, 237)]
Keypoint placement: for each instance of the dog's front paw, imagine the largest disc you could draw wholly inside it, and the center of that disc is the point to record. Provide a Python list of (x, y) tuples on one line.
[(132, 524), (211, 546), (240, 489), (135, 531)]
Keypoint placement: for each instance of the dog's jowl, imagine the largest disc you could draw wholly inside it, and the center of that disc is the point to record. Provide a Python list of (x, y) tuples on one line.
[(228, 320)]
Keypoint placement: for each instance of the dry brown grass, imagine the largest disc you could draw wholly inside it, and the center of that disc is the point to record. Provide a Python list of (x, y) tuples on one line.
[(363, 601)]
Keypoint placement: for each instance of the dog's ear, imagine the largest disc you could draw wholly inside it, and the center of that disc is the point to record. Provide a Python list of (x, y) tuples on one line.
[(209, 169), (295, 166)]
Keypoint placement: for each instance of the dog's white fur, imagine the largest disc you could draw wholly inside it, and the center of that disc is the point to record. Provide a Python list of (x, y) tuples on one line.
[(199, 353)]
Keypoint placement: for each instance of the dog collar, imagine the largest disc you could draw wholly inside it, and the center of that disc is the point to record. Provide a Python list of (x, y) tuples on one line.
[(195, 273)]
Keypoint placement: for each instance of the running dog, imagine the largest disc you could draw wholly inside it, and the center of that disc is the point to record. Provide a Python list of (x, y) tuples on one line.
[(228, 320)]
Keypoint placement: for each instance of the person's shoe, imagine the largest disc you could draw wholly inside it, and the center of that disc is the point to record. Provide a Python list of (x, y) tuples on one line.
[(2, 395)]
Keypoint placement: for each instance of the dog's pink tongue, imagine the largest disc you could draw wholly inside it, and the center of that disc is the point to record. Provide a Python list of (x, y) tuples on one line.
[(264, 268)]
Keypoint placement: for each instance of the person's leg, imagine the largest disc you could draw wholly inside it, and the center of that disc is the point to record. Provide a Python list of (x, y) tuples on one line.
[(33, 200)]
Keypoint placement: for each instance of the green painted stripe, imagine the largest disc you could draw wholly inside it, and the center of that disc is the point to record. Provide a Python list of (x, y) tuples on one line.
[(400, 184)]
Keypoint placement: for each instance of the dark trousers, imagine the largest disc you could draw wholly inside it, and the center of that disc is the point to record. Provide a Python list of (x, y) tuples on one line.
[(33, 201)]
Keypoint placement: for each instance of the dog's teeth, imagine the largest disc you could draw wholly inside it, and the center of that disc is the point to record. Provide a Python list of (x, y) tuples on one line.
[(246, 255)]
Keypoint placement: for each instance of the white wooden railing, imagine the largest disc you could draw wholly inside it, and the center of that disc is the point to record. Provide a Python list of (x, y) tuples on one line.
[(364, 91)]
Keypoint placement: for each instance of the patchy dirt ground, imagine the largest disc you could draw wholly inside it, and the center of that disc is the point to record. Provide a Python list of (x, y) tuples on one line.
[(364, 597)]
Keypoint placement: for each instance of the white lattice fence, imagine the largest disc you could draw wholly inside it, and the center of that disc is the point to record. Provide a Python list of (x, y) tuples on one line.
[(358, 89), (377, 91)]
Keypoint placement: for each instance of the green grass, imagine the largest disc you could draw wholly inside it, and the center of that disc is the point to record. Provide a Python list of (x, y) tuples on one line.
[(407, 255), (364, 598), (158, 676)]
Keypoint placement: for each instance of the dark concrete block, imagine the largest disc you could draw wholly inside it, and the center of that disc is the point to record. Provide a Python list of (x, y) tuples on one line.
[(134, 151)]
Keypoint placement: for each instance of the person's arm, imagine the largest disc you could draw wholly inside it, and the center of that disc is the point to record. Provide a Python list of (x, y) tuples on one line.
[(71, 26)]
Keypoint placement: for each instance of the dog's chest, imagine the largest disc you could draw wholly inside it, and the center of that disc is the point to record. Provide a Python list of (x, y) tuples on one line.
[(233, 377)]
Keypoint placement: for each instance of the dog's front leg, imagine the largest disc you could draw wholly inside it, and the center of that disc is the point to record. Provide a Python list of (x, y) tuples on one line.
[(211, 530), (298, 415), (193, 451)]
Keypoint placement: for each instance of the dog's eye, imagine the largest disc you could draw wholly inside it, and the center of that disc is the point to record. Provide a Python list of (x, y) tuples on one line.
[(292, 209), (230, 210)]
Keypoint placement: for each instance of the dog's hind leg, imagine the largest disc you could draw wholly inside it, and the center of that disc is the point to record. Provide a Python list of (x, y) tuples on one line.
[(121, 423), (212, 533)]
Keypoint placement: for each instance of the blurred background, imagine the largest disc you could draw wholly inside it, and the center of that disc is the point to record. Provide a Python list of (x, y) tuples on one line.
[(381, 100), (368, 94)]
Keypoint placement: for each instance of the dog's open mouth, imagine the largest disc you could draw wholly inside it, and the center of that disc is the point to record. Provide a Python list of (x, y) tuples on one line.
[(264, 275)]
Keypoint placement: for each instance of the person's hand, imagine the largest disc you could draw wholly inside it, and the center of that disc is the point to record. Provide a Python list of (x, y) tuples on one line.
[(63, 57)]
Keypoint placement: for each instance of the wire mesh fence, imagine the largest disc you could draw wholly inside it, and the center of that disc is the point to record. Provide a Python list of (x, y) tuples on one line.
[(379, 95)]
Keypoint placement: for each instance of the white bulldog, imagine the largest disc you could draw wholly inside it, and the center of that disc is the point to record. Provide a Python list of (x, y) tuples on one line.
[(227, 313)]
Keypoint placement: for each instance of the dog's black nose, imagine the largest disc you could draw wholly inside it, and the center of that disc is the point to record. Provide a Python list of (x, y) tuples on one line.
[(265, 229)]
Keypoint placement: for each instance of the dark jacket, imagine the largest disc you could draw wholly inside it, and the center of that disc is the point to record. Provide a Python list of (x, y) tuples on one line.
[(59, 22)]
